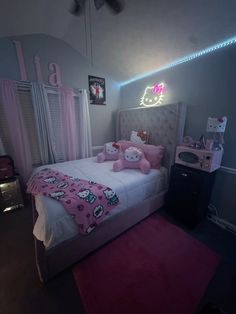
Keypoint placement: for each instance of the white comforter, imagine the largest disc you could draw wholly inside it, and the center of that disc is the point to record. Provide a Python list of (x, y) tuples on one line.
[(55, 225)]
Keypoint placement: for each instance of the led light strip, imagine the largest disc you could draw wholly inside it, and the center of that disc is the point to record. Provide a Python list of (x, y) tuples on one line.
[(187, 58)]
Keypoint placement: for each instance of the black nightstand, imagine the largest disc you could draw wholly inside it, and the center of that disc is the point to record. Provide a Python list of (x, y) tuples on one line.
[(189, 194), (10, 194)]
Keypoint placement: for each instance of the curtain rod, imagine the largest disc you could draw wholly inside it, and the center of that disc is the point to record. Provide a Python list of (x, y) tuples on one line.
[(53, 89)]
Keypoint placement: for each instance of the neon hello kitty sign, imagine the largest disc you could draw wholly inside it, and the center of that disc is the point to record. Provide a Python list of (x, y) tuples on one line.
[(153, 95)]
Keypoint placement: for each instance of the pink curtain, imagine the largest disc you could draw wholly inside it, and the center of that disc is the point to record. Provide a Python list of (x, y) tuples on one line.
[(17, 134), (70, 130)]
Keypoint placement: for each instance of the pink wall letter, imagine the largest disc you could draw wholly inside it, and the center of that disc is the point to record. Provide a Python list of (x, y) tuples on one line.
[(21, 60), (38, 69), (55, 77)]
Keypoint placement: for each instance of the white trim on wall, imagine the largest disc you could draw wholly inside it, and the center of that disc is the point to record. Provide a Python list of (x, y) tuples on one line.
[(97, 147), (228, 169)]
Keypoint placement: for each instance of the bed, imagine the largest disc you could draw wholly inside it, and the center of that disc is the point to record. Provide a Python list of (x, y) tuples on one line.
[(58, 244)]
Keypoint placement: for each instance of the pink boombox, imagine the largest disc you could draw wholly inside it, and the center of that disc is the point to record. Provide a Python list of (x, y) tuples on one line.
[(202, 159)]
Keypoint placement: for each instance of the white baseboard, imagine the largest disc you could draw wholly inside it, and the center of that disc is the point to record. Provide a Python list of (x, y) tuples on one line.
[(228, 169), (222, 223)]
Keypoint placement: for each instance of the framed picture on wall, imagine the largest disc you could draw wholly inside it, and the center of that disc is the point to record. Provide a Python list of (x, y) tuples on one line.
[(97, 90)]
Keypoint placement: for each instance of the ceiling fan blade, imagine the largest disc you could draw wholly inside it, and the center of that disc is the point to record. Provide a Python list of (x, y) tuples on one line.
[(77, 7), (99, 3), (116, 5)]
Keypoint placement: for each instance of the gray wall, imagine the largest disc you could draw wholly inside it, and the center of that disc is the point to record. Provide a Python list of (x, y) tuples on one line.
[(74, 72), (207, 86)]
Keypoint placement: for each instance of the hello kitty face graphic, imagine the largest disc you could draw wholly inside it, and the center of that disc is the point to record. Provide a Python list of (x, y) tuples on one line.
[(111, 197), (92, 182), (132, 154), (109, 193), (153, 95), (84, 193), (50, 180), (87, 195), (139, 137), (57, 195), (75, 179), (111, 148), (216, 124)]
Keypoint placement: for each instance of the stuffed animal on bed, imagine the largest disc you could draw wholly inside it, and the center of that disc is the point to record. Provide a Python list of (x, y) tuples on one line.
[(110, 152), (132, 158)]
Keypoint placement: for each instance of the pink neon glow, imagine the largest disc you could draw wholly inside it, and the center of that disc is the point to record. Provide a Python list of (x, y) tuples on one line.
[(158, 88)]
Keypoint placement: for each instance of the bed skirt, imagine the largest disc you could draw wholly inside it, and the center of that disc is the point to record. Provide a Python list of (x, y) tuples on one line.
[(52, 261)]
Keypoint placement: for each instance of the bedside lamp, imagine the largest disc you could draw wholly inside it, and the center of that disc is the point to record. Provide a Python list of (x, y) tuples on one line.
[(217, 126)]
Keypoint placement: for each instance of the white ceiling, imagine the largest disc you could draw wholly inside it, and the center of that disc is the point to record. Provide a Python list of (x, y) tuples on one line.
[(147, 35)]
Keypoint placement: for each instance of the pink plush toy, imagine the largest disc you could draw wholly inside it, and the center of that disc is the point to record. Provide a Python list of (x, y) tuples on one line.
[(110, 152), (132, 158)]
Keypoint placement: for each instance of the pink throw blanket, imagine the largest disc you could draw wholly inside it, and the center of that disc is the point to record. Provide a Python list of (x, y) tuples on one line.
[(86, 201)]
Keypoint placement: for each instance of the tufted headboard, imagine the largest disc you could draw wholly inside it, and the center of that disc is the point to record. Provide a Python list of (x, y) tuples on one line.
[(165, 124)]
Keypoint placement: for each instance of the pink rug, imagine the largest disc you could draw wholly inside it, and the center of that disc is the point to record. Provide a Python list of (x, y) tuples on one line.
[(154, 268)]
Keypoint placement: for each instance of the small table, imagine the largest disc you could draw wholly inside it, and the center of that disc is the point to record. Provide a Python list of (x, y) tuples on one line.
[(189, 194)]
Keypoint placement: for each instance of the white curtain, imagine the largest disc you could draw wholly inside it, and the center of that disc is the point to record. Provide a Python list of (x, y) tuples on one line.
[(84, 126), (63, 124), (43, 122), (69, 124)]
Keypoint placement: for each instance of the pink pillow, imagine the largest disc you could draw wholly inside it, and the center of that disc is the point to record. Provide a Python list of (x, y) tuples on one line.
[(154, 154), (132, 158), (110, 152)]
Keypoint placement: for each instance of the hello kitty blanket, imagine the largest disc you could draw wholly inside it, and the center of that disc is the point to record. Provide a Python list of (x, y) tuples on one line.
[(86, 201)]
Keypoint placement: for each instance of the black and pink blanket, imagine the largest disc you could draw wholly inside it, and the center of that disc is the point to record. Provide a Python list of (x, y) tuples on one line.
[(86, 201)]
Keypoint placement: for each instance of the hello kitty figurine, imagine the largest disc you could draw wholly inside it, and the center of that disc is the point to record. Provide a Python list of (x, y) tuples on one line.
[(139, 137), (110, 152), (132, 158)]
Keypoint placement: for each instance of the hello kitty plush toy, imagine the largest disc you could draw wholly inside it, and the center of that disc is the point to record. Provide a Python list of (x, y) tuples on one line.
[(132, 158), (110, 152)]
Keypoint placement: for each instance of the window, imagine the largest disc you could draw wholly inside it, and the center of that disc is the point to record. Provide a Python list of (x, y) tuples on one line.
[(25, 98)]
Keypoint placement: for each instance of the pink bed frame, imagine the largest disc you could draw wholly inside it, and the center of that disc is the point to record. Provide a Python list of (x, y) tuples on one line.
[(52, 261)]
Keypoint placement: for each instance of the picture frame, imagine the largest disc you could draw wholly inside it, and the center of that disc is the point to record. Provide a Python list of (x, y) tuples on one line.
[(97, 90)]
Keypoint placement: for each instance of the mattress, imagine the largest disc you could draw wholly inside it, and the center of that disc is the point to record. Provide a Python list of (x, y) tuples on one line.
[(54, 225)]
